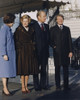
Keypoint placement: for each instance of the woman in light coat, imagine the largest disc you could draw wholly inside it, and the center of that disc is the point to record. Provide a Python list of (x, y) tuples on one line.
[(7, 52)]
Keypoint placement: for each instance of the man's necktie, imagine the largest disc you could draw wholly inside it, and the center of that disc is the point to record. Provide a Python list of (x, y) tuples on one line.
[(42, 27), (61, 27)]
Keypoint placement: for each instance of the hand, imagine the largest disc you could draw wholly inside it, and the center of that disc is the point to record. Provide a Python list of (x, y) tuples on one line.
[(54, 47), (70, 55), (5, 57)]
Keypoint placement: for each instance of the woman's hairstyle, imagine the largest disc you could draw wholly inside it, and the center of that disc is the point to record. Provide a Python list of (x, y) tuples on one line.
[(25, 17), (8, 18), (60, 15)]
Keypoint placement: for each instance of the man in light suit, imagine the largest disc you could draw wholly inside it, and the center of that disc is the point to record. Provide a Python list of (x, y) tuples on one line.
[(42, 49), (62, 50)]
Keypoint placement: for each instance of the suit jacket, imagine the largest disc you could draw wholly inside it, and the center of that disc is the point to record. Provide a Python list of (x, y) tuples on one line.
[(42, 44), (63, 42)]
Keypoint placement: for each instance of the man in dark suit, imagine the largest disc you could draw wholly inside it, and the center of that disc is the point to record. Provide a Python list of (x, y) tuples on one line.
[(62, 50), (42, 48)]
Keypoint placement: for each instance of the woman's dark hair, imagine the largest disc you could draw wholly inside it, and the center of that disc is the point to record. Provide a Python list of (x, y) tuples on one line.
[(8, 18)]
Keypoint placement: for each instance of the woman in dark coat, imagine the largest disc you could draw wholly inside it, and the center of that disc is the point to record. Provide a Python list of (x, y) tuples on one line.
[(25, 48)]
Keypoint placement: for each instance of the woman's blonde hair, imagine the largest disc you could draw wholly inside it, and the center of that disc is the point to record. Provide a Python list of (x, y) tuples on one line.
[(25, 17)]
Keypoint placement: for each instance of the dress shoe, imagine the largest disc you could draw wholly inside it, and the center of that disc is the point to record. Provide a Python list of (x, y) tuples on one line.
[(10, 94), (28, 91), (24, 92), (45, 88), (38, 89), (58, 88), (67, 89)]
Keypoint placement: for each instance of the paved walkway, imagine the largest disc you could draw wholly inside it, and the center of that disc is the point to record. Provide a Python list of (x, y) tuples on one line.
[(51, 94)]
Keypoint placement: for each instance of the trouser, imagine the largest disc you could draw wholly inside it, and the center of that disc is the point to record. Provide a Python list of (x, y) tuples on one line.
[(42, 82), (43, 76), (65, 76)]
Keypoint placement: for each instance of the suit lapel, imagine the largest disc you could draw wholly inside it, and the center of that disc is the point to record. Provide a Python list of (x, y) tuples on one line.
[(38, 27), (45, 27)]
